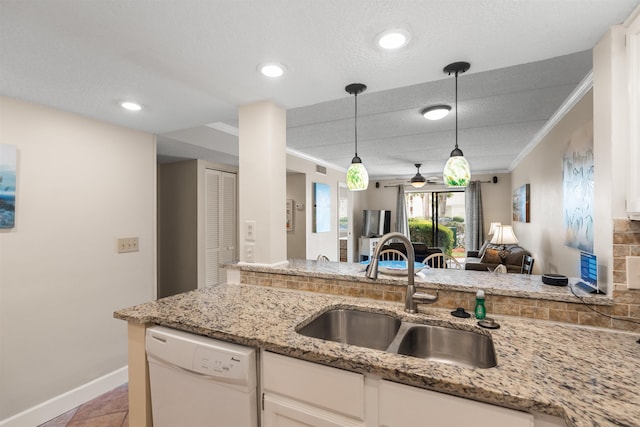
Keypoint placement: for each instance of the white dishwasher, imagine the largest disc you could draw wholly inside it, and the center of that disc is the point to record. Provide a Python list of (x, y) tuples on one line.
[(200, 382)]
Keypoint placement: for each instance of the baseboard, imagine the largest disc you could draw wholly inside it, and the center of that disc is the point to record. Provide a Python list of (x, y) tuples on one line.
[(58, 405)]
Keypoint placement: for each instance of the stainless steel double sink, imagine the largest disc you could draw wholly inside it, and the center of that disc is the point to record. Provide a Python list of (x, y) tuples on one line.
[(388, 333)]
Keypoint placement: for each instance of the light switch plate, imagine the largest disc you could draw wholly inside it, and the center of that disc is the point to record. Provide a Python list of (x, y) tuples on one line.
[(250, 231), (633, 272)]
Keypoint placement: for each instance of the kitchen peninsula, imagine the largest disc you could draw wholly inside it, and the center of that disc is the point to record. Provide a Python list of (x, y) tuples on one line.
[(586, 376)]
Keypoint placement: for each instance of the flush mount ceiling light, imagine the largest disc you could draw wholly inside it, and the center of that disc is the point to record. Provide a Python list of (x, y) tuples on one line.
[(418, 181), (436, 112), (357, 176), (392, 39), (271, 69), (131, 106), (457, 172)]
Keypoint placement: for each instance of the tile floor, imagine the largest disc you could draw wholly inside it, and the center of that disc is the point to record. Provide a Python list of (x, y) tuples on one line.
[(109, 410)]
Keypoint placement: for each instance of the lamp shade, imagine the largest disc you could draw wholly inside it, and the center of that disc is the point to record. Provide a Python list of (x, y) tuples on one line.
[(457, 172), (504, 235), (357, 176), (492, 228)]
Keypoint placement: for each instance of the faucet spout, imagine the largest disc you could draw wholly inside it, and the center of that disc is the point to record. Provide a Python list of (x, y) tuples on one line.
[(411, 298)]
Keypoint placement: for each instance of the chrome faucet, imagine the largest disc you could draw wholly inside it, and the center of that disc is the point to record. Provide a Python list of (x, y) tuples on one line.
[(412, 298)]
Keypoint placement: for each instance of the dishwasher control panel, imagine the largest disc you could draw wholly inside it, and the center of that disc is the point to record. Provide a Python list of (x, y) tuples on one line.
[(225, 362)]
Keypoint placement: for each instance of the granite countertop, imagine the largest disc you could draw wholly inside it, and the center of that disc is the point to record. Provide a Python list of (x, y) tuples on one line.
[(587, 376), (514, 285)]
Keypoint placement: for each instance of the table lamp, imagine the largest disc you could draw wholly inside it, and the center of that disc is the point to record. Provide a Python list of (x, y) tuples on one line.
[(504, 236), (492, 228)]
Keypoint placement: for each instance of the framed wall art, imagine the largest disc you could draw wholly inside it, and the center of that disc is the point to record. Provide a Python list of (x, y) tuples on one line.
[(521, 200), (321, 207), (577, 189), (8, 165)]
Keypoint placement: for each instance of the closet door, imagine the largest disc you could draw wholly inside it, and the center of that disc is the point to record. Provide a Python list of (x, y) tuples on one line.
[(229, 218), (221, 223)]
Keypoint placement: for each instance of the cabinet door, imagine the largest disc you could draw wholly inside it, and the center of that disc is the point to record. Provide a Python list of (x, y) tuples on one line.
[(282, 412), (331, 389), (405, 406)]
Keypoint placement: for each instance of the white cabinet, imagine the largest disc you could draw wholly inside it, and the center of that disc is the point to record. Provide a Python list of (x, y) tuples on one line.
[(633, 74), (296, 393), (367, 247), (221, 223), (283, 412), (299, 393), (405, 406)]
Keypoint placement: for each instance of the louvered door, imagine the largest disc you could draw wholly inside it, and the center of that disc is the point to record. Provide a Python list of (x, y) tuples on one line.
[(221, 223)]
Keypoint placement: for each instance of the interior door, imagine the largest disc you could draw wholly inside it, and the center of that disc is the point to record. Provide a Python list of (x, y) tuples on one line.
[(345, 223), (221, 224)]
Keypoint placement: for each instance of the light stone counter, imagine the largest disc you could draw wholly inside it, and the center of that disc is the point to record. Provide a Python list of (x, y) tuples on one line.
[(587, 376), (514, 285)]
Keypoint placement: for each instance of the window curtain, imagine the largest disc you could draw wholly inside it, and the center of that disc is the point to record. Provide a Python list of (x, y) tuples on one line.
[(402, 223), (474, 234)]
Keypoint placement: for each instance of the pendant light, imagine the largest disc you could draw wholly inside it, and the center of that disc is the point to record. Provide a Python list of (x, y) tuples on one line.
[(457, 172), (418, 181), (357, 176)]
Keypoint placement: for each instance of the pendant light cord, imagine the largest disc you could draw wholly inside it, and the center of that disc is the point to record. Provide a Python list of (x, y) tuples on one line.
[(456, 110), (356, 125)]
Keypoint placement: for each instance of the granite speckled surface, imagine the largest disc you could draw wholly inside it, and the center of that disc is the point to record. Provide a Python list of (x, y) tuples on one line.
[(515, 285), (589, 377)]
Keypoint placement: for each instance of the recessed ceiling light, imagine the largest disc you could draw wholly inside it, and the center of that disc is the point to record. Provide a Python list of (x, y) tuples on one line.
[(436, 112), (272, 69), (131, 106), (392, 39)]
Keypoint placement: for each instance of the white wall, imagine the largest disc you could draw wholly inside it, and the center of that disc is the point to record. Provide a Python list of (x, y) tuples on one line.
[(81, 184), (542, 169), (318, 243)]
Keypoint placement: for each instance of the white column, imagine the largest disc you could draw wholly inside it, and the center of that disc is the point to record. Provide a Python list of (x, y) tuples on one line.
[(262, 183)]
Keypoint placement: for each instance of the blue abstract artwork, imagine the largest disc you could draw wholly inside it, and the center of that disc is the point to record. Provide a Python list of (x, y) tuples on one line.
[(7, 186), (321, 208), (577, 188)]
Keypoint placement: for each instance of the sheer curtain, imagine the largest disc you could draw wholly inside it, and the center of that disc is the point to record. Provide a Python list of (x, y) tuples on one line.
[(402, 223), (474, 234)]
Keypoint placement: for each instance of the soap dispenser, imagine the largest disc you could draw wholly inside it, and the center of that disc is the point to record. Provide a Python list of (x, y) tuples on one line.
[(481, 311)]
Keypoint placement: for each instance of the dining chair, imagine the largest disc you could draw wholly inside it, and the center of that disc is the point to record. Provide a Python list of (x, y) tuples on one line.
[(392, 255), (527, 265), (442, 261)]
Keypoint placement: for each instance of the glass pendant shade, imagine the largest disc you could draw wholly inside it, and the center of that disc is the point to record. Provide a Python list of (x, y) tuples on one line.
[(357, 176), (457, 172)]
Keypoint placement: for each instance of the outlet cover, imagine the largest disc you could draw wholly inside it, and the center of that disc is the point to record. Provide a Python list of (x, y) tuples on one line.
[(127, 244)]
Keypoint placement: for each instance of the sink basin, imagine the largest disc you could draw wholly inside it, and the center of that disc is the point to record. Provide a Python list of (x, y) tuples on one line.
[(384, 332), (355, 327), (448, 345)]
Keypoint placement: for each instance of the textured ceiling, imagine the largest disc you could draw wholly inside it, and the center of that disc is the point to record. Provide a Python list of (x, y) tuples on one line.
[(192, 63)]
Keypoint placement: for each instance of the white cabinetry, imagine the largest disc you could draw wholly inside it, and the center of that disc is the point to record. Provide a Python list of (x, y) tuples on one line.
[(299, 393), (633, 74), (296, 393), (405, 406), (367, 247)]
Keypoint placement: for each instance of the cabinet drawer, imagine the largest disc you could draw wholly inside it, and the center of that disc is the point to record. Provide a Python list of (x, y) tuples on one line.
[(324, 387)]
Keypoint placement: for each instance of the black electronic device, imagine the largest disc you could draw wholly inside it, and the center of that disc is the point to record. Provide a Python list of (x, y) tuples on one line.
[(555, 279)]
